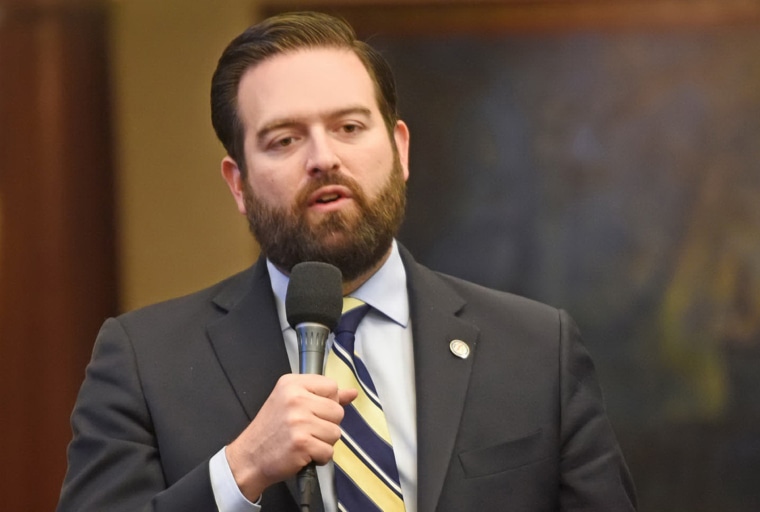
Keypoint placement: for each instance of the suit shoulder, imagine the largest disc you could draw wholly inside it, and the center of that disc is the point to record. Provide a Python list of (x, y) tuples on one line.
[(191, 308), (532, 326), (483, 297)]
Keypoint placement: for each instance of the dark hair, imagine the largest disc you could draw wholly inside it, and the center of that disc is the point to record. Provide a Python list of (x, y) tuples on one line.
[(281, 34)]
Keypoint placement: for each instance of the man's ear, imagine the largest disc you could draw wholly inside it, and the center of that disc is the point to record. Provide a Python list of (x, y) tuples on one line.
[(235, 180), (401, 136)]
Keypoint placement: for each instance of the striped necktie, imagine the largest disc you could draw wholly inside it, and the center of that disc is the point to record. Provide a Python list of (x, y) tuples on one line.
[(366, 475)]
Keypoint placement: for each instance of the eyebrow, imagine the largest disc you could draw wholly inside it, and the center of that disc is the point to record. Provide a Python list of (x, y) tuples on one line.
[(286, 122)]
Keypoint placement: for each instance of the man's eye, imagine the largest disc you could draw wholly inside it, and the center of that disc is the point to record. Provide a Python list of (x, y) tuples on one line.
[(350, 128), (284, 142)]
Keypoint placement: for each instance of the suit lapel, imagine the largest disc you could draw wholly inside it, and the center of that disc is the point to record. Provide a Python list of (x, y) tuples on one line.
[(441, 377), (248, 339)]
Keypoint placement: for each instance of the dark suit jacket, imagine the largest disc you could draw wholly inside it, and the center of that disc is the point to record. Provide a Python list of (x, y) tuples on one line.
[(517, 426)]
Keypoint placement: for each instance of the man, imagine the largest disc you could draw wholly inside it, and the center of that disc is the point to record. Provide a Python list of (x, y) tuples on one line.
[(490, 400)]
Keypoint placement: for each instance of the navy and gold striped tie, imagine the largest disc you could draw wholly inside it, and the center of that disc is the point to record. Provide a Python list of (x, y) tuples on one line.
[(366, 475)]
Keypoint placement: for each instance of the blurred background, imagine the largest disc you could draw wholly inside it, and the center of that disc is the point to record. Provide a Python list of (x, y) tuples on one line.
[(599, 155)]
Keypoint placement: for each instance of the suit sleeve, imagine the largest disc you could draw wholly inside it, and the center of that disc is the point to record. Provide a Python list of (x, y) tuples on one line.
[(594, 476), (113, 459)]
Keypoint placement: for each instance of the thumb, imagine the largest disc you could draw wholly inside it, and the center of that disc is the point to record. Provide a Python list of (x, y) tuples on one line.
[(346, 396)]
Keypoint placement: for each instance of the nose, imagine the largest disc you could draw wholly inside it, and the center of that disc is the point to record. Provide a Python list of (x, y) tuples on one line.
[(322, 157)]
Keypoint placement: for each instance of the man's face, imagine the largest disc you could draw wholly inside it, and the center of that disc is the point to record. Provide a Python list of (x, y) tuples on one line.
[(324, 182)]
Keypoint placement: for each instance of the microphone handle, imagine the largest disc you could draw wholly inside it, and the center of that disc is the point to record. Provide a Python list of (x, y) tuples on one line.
[(307, 485), (312, 340)]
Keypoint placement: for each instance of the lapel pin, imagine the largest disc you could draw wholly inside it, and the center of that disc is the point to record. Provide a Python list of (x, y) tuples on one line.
[(460, 349)]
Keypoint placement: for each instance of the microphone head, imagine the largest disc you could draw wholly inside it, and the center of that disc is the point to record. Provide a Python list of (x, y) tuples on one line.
[(315, 294)]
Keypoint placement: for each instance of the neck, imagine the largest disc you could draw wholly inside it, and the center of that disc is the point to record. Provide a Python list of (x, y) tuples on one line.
[(350, 286)]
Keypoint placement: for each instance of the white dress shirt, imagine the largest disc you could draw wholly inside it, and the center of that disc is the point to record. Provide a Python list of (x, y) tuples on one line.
[(384, 342)]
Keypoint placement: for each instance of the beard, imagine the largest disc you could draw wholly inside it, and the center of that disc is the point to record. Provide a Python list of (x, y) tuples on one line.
[(353, 241)]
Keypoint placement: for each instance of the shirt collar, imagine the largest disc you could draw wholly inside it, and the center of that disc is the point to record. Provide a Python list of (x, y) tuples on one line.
[(385, 291)]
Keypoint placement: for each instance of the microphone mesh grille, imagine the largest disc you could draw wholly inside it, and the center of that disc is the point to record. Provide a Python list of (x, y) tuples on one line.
[(315, 294)]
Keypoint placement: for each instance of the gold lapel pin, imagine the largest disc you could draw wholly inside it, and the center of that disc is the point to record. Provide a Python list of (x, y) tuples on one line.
[(460, 349)]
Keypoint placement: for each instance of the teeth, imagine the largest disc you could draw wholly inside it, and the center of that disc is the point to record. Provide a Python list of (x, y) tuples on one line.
[(328, 198)]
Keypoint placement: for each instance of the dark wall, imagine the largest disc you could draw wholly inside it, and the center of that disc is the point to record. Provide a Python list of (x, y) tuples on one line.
[(616, 176), (57, 257)]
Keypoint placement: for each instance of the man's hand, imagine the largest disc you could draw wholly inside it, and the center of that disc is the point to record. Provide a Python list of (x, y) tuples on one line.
[(297, 424)]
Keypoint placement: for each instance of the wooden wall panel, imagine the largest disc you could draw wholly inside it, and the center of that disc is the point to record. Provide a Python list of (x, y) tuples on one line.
[(495, 17), (56, 247)]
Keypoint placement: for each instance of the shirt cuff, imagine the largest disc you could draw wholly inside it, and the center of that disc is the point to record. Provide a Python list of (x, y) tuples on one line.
[(226, 492)]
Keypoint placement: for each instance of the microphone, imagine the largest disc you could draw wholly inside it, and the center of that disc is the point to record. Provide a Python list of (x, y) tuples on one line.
[(313, 304)]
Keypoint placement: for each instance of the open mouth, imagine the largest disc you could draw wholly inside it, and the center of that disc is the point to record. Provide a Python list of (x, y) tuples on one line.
[(328, 198), (329, 195)]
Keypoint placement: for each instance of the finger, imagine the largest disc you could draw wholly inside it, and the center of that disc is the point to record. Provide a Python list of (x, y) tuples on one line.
[(346, 396), (323, 455), (321, 451), (326, 432), (327, 410), (321, 385)]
